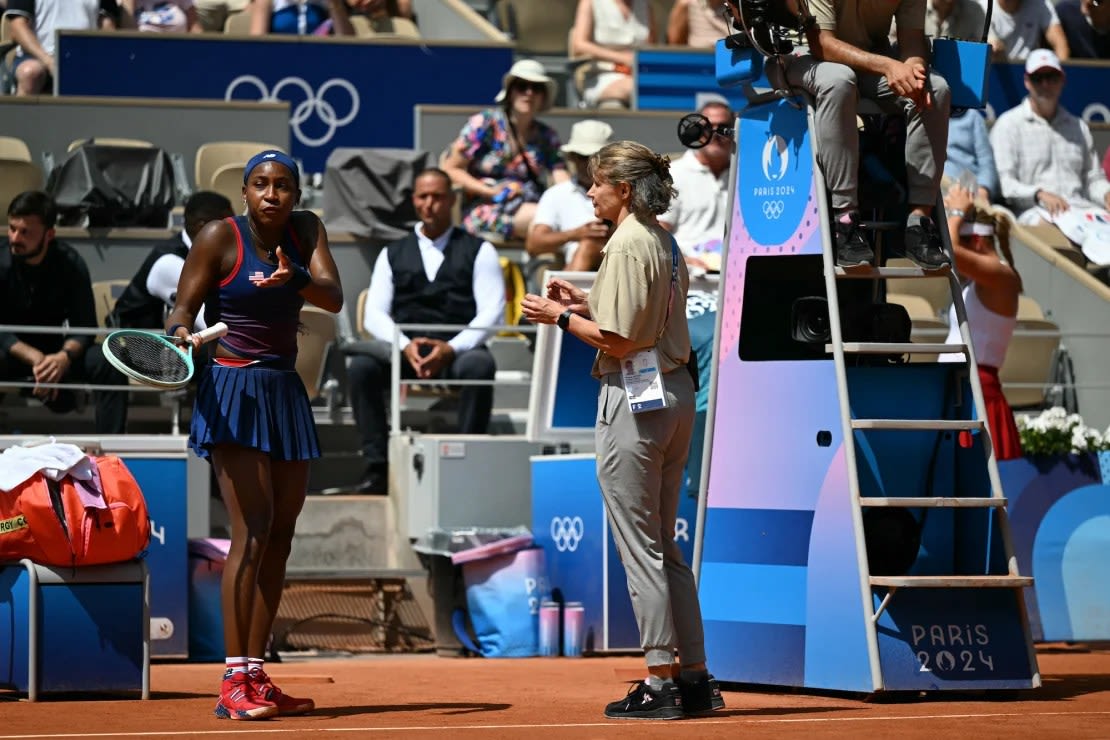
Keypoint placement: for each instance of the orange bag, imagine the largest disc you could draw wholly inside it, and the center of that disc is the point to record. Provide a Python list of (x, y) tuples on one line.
[(49, 521)]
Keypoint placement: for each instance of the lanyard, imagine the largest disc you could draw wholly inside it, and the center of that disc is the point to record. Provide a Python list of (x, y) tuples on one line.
[(674, 285)]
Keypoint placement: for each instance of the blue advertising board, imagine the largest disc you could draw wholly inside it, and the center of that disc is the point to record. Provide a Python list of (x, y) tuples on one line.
[(163, 483), (569, 522), (1084, 92), (341, 93)]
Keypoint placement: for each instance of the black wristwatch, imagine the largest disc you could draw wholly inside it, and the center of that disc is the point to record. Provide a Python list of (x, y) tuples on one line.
[(564, 319)]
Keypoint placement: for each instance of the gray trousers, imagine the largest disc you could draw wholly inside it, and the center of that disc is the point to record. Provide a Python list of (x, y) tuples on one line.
[(640, 462), (837, 89)]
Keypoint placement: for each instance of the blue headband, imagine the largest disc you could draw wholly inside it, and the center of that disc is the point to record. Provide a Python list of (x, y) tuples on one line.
[(272, 155)]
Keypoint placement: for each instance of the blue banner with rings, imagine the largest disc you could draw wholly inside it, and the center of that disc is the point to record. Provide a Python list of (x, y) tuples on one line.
[(775, 172), (341, 92)]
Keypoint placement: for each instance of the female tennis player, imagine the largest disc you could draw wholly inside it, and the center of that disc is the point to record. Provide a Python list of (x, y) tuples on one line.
[(252, 418)]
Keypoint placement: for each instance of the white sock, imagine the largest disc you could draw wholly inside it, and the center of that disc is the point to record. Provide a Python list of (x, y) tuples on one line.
[(255, 664), (236, 665)]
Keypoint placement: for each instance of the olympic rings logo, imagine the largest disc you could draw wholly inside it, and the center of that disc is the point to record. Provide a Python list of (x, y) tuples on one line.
[(567, 532), (773, 209), (313, 104)]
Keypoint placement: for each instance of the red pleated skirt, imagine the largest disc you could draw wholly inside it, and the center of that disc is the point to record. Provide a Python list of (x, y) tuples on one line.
[(1000, 417)]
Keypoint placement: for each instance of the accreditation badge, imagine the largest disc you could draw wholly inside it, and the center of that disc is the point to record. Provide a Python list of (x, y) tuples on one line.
[(643, 381)]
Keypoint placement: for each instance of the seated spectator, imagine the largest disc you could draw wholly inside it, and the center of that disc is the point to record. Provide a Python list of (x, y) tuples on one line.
[(1020, 26), (991, 289), (954, 19), (213, 13), (969, 150), (565, 219), (504, 156), (1087, 26), (44, 282), (698, 23), (33, 27), (606, 31), (291, 16), (162, 16), (1045, 155), (1106, 163), (153, 289), (342, 11), (150, 295), (439, 274), (698, 213)]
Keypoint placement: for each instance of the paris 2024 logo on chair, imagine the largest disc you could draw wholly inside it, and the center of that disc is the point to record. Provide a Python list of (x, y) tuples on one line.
[(775, 172)]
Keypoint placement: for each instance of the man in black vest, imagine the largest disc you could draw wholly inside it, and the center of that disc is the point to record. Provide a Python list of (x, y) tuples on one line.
[(142, 305), (44, 282), (439, 274)]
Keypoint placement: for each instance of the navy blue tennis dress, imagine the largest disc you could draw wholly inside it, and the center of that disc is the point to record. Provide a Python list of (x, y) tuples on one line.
[(263, 404)]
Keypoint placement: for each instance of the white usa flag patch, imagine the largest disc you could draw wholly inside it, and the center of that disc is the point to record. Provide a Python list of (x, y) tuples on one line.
[(258, 275)]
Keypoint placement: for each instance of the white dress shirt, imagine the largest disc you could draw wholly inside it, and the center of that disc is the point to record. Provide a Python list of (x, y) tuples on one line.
[(489, 292)]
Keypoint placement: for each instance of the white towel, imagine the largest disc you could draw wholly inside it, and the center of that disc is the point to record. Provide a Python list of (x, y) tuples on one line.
[(56, 460)]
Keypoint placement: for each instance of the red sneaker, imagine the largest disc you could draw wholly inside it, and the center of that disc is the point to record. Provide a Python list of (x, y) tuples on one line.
[(240, 700), (286, 704)]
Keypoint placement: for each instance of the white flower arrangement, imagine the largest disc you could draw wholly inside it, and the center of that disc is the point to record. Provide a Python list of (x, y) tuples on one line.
[(1056, 432)]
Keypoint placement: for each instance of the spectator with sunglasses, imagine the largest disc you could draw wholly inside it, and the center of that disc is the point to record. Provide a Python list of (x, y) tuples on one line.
[(1045, 155), (1087, 25), (505, 156)]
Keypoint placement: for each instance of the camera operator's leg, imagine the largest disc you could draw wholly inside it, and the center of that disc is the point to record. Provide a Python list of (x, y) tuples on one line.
[(834, 87), (926, 152)]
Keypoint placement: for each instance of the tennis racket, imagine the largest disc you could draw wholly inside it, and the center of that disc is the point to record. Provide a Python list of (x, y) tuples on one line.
[(155, 359)]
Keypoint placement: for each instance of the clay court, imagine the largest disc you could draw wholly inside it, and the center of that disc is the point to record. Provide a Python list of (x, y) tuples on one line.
[(421, 695)]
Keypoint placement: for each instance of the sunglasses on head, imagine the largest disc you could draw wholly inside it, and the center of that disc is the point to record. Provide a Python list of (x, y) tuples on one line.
[(1038, 77), (523, 85)]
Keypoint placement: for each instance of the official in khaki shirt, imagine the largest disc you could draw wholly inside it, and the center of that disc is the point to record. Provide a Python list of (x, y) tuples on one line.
[(641, 457)]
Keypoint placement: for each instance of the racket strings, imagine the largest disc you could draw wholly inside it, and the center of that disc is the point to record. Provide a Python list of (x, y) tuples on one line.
[(149, 356)]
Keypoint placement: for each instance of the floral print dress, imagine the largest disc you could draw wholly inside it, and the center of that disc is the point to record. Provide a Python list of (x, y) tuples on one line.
[(485, 142)]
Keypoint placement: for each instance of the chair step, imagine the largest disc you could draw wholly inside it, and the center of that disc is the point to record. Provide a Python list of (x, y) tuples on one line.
[(952, 581), (960, 502), (953, 425), (876, 273), (882, 348)]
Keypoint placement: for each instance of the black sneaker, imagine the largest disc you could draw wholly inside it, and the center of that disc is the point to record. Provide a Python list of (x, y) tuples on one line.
[(923, 246), (852, 249), (700, 694), (644, 702)]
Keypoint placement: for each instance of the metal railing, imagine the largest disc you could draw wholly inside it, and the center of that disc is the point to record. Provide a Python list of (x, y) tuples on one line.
[(396, 381)]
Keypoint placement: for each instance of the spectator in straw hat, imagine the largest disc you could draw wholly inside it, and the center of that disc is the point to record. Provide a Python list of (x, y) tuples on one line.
[(505, 156), (565, 217)]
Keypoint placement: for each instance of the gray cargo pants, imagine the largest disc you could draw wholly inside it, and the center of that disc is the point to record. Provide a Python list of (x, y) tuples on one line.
[(640, 463), (837, 89)]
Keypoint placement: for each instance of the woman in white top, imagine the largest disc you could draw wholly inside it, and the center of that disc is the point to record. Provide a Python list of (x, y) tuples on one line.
[(607, 31), (991, 289)]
